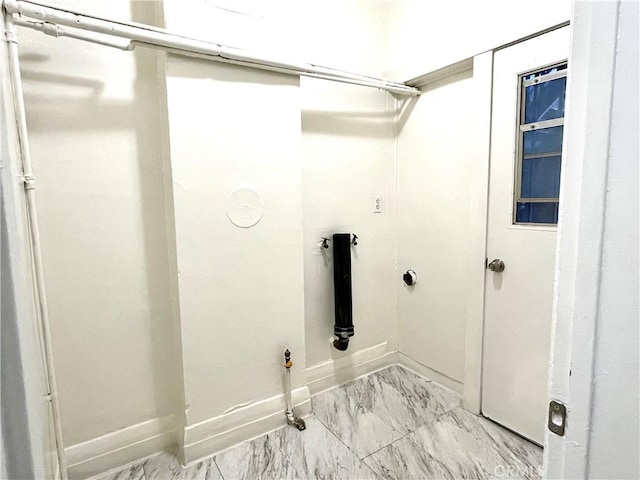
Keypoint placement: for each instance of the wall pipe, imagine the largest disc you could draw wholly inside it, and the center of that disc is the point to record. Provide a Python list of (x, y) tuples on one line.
[(56, 31), (153, 37), (351, 81), (34, 232)]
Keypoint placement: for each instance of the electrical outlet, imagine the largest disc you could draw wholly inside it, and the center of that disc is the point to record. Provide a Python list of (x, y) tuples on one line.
[(377, 204)]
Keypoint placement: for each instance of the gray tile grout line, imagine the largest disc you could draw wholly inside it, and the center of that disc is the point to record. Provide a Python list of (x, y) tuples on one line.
[(116, 470), (331, 431), (373, 472), (382, 448), (420, 426), (406, 435), (415, 429), (127, 466), (210, 459), (144, 470), (386, 423), (337, 438), (360, 460), (218, 467), (143, 461), (340, 441), (382, 419)]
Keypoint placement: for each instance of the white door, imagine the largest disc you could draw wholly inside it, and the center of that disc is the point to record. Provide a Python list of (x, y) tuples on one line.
[(526, 138)]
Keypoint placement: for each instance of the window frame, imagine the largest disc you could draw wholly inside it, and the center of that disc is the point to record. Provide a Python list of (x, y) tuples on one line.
[(522, 127)]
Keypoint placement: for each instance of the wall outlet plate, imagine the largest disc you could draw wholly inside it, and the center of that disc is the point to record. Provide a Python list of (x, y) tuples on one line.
[(377, 204)]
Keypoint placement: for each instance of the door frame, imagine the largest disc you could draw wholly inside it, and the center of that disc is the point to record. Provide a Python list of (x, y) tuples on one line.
[(592, 125), (474, 328)]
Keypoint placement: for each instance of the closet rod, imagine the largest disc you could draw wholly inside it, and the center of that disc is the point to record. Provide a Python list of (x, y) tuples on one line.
[(158, 38)]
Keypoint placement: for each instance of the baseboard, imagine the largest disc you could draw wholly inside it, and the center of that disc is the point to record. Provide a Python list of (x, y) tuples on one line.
[(219, 433), (211, 436), (119, 448), (332, 373), (214, 435), (430, 373)]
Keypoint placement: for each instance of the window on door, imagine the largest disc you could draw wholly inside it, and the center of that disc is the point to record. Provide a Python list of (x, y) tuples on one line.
[(539, 153)]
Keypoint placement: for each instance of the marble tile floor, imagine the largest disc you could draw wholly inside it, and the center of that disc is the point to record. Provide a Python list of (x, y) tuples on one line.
[(392, 424)]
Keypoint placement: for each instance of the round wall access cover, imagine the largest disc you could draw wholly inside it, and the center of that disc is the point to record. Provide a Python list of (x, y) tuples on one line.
[(244, 207)]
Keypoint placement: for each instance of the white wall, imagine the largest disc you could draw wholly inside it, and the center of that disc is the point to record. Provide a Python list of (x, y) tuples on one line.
[(348, 157), (246, 294), (241, 292), (241, 289), (428, 35), (440, 230), (347, 133), (94, 122), (348, 140)]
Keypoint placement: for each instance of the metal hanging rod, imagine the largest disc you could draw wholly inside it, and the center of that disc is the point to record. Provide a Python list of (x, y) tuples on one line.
[(51, 19)]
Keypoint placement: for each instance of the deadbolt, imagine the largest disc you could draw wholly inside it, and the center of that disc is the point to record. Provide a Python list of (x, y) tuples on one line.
[(496, 265)]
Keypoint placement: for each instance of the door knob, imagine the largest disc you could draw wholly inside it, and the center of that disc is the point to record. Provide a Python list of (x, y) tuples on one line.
[(496, 265)]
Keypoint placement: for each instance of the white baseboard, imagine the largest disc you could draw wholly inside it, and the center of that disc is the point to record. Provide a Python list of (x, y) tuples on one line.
[(119, 448), (430, 373), (219, 433), (213, 435), (332, 373)]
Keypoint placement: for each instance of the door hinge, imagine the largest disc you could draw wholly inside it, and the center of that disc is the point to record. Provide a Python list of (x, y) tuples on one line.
[(557, 417)]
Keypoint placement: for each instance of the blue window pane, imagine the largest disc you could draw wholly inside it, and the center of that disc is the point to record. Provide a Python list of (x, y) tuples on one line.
[(545, 101), (527, 212), (540, 177), (545, 140)]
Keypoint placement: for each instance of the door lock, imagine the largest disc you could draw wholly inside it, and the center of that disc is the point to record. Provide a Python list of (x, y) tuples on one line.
[(496, 265)]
